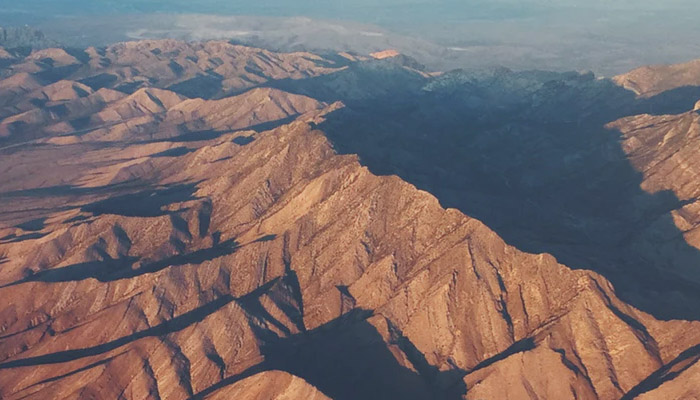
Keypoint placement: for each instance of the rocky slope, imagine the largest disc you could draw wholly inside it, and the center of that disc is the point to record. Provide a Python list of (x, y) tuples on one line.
[(179, 247), (273, 385), (652, 80)]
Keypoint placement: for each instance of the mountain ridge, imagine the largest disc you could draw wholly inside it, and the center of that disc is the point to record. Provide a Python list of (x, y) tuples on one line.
[(190, 247)]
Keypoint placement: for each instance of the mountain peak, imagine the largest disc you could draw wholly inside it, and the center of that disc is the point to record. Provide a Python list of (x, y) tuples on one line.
[(270, 385), (55, 56), (149, 96), (20, 80), (651, 80), (389, 53)]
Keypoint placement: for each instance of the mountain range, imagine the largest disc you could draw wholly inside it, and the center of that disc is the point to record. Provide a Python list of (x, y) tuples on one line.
[(191, 220)]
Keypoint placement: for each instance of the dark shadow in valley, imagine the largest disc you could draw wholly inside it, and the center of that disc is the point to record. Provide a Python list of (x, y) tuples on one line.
[(145, 203), (77, 371), (70, 190), (674, 101), (243, 140), (521, 346), (70, 197), (60, 190), (538, 166), (100, 270), (53, 74), (348, 359), (667, 373), (204, 86), (257, 368), (128, 267), (99, 81), (270, 125), (192, 136), (266, 238), (12, 238), (63, 197), (33, 225), (173, 325), (80, 54), (174, 152), (211, 134)]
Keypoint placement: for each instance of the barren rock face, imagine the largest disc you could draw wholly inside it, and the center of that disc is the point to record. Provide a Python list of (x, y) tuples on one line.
[(664, 150), (273, 385), (154, 244), (653, 80), (385, 54)]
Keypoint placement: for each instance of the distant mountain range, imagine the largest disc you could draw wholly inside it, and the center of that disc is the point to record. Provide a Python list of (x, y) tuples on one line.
[(24, 37), (607, 46)]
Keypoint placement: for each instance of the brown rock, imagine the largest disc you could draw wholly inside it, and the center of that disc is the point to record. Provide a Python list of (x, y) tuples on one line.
[(272, 385), (649, 81), (380, 55)]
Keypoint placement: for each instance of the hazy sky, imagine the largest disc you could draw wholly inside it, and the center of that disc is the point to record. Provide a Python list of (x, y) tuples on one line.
[(406, 16), (602, 35), (376, 11)]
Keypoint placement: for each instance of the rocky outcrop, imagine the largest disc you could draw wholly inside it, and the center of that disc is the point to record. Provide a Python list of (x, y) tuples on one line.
[(664, 151), (379, 55), (272, 385), (649, 81)]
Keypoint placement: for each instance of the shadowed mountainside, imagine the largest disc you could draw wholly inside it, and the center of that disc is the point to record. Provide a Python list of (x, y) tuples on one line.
[(350, 347), (532, 155)]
